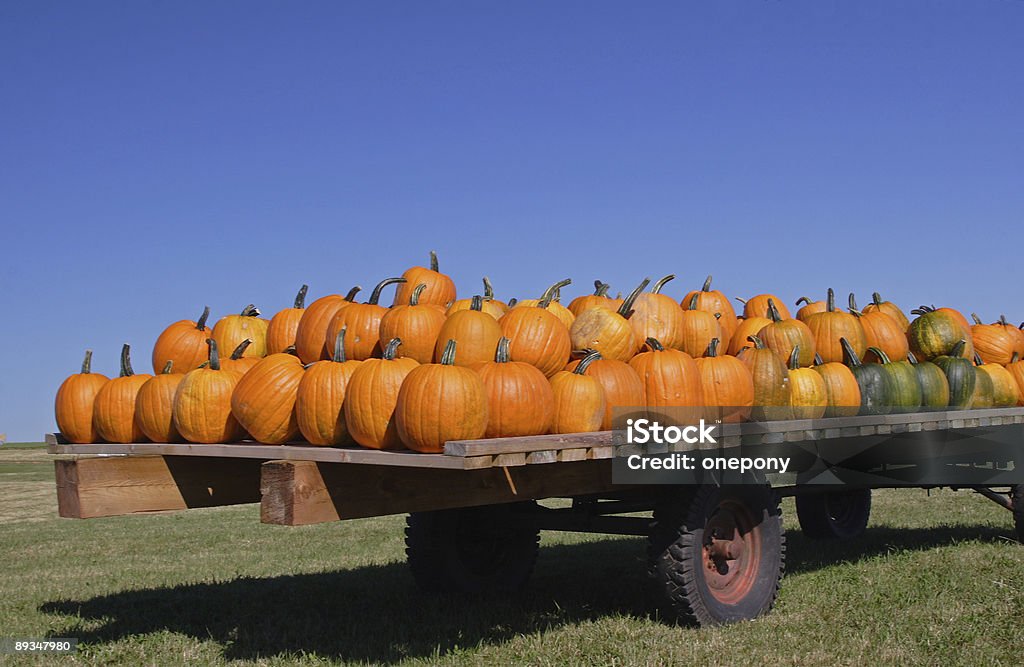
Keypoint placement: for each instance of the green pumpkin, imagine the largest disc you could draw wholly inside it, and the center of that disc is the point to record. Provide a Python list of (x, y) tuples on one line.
[(984, 391), (933, 334), (906, 396), (961, 376), (934, 385), (877, 386)]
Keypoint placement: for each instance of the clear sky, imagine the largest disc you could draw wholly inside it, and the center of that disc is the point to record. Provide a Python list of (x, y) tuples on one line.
[(156, 157)]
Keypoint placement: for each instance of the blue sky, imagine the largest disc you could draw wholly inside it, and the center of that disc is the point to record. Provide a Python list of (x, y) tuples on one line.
[(156, 157)]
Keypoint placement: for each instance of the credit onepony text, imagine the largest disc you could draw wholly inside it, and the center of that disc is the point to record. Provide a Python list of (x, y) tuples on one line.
[(648, 432)]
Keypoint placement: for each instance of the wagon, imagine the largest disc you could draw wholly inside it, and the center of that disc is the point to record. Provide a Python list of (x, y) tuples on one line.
[(716, 549)]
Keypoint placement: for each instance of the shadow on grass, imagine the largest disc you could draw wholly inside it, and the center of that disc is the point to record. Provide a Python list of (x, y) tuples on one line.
[(375, 613)]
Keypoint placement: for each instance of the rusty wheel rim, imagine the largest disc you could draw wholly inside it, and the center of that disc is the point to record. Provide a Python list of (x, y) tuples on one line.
[(731, 552)]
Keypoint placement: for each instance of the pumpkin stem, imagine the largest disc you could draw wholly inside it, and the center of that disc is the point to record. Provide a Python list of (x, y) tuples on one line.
[(351, 296), (167, 367), (590, 357), (214, 363), (126, 361), (1015, 358), (549, 294), (712, 350), (600, 288), (880, 353), (743, 301), (391, 349), (977, 359), (911, 358), (201, 322), (794, 358), (488, 289), (654, 344), (87, 363), (375, 295), (290, 350), (707, 285), (448, 356), (250, 311), (1002, 320), (339, 346), (300, 298), (414, 298), (923, 310), (756, 340), (433, 261), (626, 309), (849, 356), (803, 299), (661, 283), (977, 320), (876, 298), (502, 356), (512, 302), (773, 312), (818, 361), (240, 350), (830, 301), (476, 303), (958, 349)]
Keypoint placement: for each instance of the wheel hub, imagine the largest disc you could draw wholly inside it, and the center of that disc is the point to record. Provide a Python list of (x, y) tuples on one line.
[(731, 552)]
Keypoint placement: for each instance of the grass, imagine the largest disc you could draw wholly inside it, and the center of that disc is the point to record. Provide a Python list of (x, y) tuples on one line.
[(934, 581)]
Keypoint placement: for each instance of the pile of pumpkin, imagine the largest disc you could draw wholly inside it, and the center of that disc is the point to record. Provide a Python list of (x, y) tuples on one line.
[(434, 368)]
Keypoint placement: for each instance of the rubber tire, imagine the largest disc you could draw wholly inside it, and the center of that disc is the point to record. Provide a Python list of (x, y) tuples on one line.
[(1017, 496), (473, 550), (676, 560), (820, 519)]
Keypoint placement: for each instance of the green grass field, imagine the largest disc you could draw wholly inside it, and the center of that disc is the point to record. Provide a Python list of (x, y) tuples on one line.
[(936, 580)]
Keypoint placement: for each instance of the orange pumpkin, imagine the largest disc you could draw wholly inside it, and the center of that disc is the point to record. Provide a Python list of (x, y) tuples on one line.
[(809, 308), (748, 326), (237, 361), (842, 393), (519, 397), (550, 298), (1005, 392), (727, 386), (656, 315), (714, 302), (372, 396), (74, 403), (671, 380), (285, 324), (363, 323), (700, 327), (889, 308), (622, 385), (579, 403), (608, 331), (537, 337), (783, 336), (808, 395), (772, 392), (757, 306), (154, 406), (1016, 368), (881, 331), (476, 333), (1016, 332), (320, 398), (490, 306), (417, 325), (202, 403), (830, 325), (264, 399), (440, 289), (311, 336), (993, 342), (114, 405), (441, 402), (599, 299), (233, 329), (184, 343)]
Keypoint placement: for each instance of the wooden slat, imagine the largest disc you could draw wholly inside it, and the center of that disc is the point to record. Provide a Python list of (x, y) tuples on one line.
[(531, 443), (112, 486), (305, 492)]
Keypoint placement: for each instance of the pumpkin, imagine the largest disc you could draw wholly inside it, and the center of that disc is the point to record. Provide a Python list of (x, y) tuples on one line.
[(202, 403), (830, 325), (441, 402), (808, 395), (74, 403), (154, 406), (877, 305), (363, 323), (671, 380), (784, 335), (881, 331), (440, 288), (748, 326), (372, 395), (656, 315), (493, 308), (285, 324), (757, 306), (726, 384), (311, 336), (842, 393), (809, 308), (476, 333), (699, 328), (417, 325), (622, 385), (875, 383), (320, 397), (599, 299), (550, 298), (993, 342), (935, 332), (184, 343), (983, 396), (537, 337), (489, 296), (772, 393), (714, 302), (960, 373), (264, 399), (519, 397), (233, 329), (1016, 332), (934, 385), (579, 403), (237, 361), (1005, 393), (1016, 368), (906, 387), (608, 331), (114, 406)]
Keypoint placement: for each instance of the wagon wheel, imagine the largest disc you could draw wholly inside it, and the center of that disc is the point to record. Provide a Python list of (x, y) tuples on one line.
[(1017, 498), (716, 554), (835, 515), (472, 550)]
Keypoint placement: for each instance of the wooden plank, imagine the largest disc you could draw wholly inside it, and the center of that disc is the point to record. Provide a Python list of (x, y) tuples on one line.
[(578, 454), (546, 456), (531, 443), (509, 459), (305, 492), (113, 486)]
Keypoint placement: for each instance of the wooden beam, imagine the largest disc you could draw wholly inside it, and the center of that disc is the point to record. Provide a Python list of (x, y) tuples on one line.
[(113, 486), (304, 492)]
